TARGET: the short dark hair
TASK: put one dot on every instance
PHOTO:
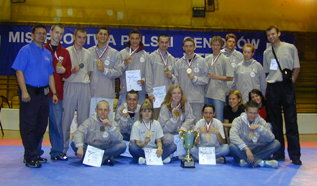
(189, 39)
(251, 104)
(132, 92)
(231, 35)
(79, 30)
(135, 31)
(208, 105)
(162, 35)
(273, 27)
(103, 28)
(37, 26)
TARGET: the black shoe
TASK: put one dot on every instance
(32, 163)
(41, 160)
(61, 157)
(297, 162)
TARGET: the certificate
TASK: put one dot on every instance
(207, 156)
(132, 77)
(151, 157)
(159, 94)
(93, 156)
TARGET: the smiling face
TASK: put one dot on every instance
(208, 114)
(102, 36)
(234, 101)
(132, 101)
(273, 36)
(39, 36)
(176, 95)
(256, 98)
(189, 47)
(146, 114)
(135, 40)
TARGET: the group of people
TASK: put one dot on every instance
(54, 82)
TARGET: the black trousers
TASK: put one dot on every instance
(281, 95)
(33, 121)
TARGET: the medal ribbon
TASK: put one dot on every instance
(208, 126)
(103, 52)
(77, 56)
(164, 61)
(190, 62)
(213, 60)
(149, 129)
(55, 53)
(132, 52)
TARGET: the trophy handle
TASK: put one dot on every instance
(180, 133)
(197, 136)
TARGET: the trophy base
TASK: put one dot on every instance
(187, 164)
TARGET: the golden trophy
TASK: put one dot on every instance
(189, 138)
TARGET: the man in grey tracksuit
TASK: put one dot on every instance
(191, 73)
(101, 132)
(106, 67)
(160, 70)
(77, 87)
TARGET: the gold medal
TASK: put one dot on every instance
(166, 69)
(99, 62)
(177, 113)
(149, 134)
(59, 64)
(251, 135)
(208, 137)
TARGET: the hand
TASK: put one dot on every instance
(250, 156)
(80, 152)
(105, 122)
(146, 140)
(191, 76)
(152, 98)
(213, 130)
(169, 74)
(141, 82)
(254, 126)
(159, 152)
(101, 67)
(55, 99)
(26, 97)
(60, 70)
(125, 115)
(212, 75)
(127, 60)
(75, 69)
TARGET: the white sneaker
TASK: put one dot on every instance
(141, 161)
(271, 163)
(167, 160)
(243, 163)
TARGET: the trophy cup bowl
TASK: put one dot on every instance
(189, 137)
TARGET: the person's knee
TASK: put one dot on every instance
(168, 139)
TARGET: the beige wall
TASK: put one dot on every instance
(291, 15)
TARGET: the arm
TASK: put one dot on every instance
(115, 134)
(169, 123)
(67, 65)
(295, 74)
(25, 97)
(234, 133)
(53, 89)
(149, 75)
(189, 118)
(159, 150)
(114, 72)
